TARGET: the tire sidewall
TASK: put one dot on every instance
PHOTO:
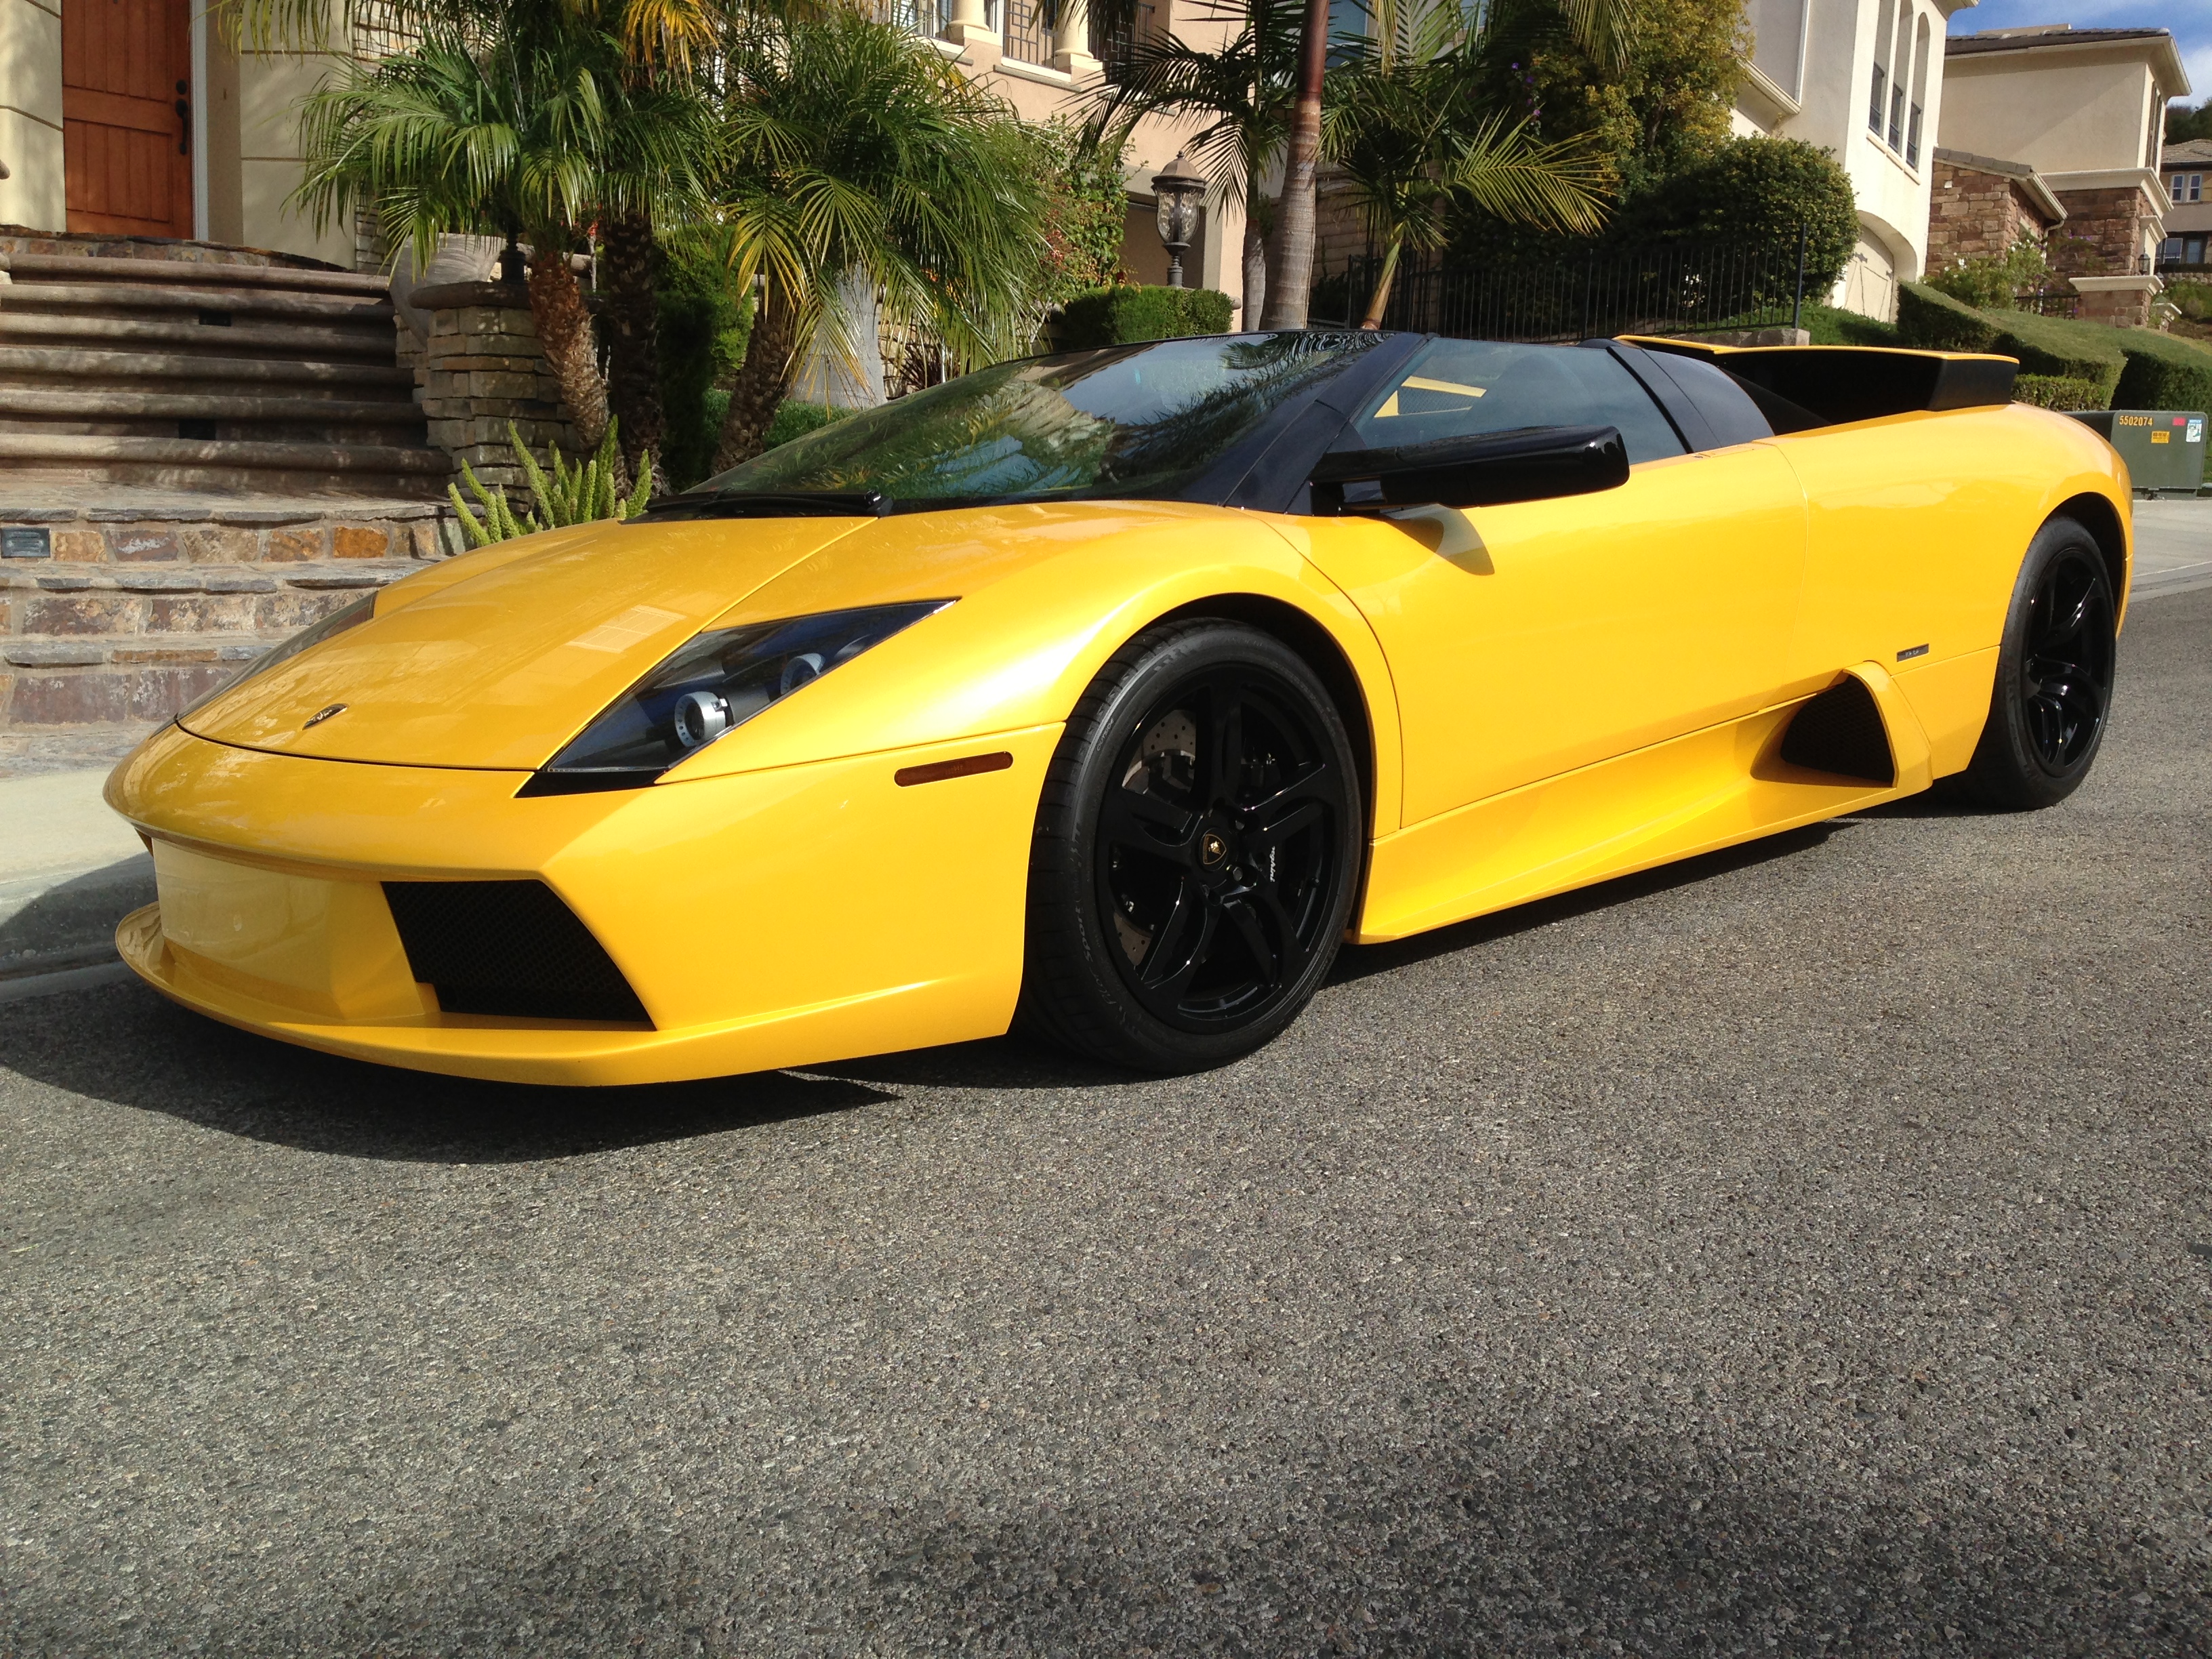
(1088, 756)
(2006, 768)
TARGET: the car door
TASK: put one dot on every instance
(1529, 639)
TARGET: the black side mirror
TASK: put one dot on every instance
(1533, 464)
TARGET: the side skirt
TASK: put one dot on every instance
(1691, 794)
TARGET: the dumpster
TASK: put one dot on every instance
(2164, 448)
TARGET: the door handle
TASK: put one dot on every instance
(184, 119)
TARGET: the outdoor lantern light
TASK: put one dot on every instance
(1179, 191)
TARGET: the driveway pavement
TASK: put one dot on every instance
(1807, 1250)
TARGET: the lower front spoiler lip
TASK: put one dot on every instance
(562, 1052)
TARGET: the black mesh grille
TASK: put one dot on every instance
(1840, 731)
(508, 947)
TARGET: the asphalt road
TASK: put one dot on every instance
(1805, 1250)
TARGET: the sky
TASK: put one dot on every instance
(2189, 19)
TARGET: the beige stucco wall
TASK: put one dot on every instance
(1039, 93)
(2058, 110)
(1833, 88)
(270, 88)
(31, 114)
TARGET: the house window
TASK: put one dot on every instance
(1923, 40)
(1878, 104)
(2188, 186)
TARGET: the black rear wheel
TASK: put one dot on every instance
(1197, 849)
(2054, 677)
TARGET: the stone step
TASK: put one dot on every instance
(69, 268)
(181, 415)
(30, 328)
(127, 299)
(23, 365)
(282, 468)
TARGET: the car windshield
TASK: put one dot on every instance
(1123, 420)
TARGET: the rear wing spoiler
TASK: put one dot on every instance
(1833, 385)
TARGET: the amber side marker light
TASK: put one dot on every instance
(937, 771)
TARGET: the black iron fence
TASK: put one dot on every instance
(1667, 288)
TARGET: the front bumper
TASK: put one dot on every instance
(797, 915)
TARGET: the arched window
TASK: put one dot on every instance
(1879, 103)
(1900, 67)
(1919, 96)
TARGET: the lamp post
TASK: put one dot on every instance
(1180, 191)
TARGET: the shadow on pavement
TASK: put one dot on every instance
(122, 1044)
(150, 1055)
(1359, 962)
(71, 917)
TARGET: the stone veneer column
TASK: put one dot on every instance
(482, 368)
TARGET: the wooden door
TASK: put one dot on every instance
(126, 116)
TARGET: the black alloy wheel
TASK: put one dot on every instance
(2066, 670)
(2054, 675)
(1197, 847)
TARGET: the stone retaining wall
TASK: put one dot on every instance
(120, 614)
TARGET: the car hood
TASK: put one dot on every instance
(493, 659)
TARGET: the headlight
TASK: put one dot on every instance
(715, 683)
(351, 615)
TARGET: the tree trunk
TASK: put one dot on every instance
(1255, 263)
(762, 380)
(564, 332)
(1291, 291)
(1376, 305)
(632, 263)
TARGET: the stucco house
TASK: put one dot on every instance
(2083, 111)
(1862, 79)
(135, 117)
(2186, 169)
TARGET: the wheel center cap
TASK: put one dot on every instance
(1211, 849)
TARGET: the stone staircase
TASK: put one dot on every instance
(201, 450)
(180, 371)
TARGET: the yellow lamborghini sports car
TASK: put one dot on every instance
(1109, 692)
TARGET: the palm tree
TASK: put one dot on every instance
(1405, 130)
(1242, 92)
(1602, 28)
(855, 160)
(531, 117)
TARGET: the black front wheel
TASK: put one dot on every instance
(1197, 848)
(2054, 678)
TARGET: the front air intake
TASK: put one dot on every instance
(508, 947)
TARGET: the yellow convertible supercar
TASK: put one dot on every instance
(1109, 692)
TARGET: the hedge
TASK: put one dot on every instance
(1832, 325)
(1934, 321)
(2056, 392)
(2051, 348)
(795, 419)
(2163, 371)
(1130, 313)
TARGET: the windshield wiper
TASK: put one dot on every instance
(772, 504)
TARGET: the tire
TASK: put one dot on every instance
(1197, 851)
(2054, 678)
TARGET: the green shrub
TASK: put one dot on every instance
(1122, 315)
(1757, 191)
(1832, 325)
(705, 319)
(2063, 347)
(794, 419)
(1996, 284)
(2163, 371)
(2056, 392)
(2047, 347)
(2193, 299)
(1933, 321)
